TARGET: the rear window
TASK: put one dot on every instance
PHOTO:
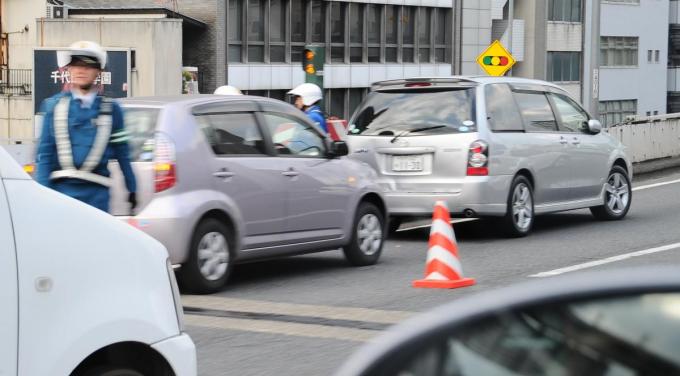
(415, 113)
(140, 122)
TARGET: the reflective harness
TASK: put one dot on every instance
(104, 124)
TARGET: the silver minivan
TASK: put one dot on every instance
(232, 179)
(504, 147)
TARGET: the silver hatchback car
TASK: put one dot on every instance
(232, 179)
(509, 148)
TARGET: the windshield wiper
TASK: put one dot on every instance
(404, 133)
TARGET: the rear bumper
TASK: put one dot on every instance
(173, 233)
(180, 353)
(485, 195)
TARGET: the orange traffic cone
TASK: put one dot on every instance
(443, 269)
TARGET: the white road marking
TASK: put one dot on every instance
(326, 312)
(655, 185)
(607, 260)
(285, 328)
(461, 220)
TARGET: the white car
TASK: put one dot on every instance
(82, 293)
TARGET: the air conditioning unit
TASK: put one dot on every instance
(56, 9)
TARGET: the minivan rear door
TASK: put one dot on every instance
(417, 139)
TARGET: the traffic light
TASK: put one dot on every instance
(313, 58)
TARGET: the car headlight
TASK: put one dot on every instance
(179, 310)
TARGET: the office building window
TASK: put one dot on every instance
(342, 102)
(235, 30)
(622, 1)
(374, 32)
(442, 32)
(356, 32)
(564, 10)
(615, 112)
(564, 66)
(619, 51)
(276, 31)
(408, 32)
(392, 33)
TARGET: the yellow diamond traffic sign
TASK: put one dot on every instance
(496, 60)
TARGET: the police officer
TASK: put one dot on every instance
(307, 98)
(81, 132)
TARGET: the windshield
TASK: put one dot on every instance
(414, 113)
(141, 123)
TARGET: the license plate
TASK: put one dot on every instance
(407, 163)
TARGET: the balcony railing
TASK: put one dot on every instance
(16, 81)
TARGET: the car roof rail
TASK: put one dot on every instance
(422, 82)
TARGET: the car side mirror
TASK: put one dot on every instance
(338, 149)
(594, 126)
(563, 325)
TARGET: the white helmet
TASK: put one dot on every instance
(228, 90)
(85, 49)
(309, 93)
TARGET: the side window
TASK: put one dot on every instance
(232, 134)
(536, 111)
(501, 109)
(292, 137)
(572, 117)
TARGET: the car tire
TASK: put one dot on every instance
(368, 236)
(210, 255)
(617, 196)
(519, 216)
(112, 371)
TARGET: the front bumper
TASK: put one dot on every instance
(173, 233)
(180, 353)
(485, 195)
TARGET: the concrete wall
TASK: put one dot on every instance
(476, 34)
(649, 141)
(287, 76)
(15, 15)
(648, 81)
(207, 50)
(157, 42)
(533, 12)
(16, 119)
(564, 36)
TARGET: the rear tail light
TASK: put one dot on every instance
(478, 159)
(165, 166)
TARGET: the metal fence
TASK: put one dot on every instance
(16, 81)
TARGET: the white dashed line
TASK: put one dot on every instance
(607, 260)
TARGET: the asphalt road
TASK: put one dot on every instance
(305, 315)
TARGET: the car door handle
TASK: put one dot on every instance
(223, 174)
(575, 141)
(563, 141)
(290, 173)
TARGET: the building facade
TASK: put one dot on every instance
(364, 42)
(633, 58)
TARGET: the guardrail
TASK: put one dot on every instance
(16, 81)
(655, 139)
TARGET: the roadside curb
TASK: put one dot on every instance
(655, 165)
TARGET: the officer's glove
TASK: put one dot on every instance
(132, 199)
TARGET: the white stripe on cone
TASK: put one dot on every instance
(444, 228)
(436, 276)
(443, 255)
